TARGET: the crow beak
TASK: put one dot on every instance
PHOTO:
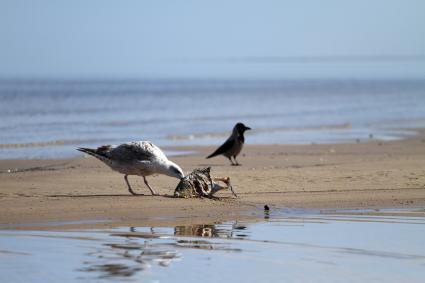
(247, 128)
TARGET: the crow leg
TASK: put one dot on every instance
(236, 162)
(230, 158)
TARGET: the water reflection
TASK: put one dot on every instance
(113, 270)
(290, 248)
(207, 231)
(212, 231)
(134, 251)
(131, 253)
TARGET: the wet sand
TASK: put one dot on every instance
(369, 174)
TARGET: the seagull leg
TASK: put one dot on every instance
(146, 183)
(129, 187)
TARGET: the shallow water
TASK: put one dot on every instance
(49, 119)
(286, 247)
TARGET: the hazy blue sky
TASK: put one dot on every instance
(240, 38)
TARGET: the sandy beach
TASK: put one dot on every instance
(369, 174)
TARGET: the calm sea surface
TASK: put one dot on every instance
(49, 119)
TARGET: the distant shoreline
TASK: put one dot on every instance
(170, 150)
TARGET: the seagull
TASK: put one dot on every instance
(233, 145)
(141, 158)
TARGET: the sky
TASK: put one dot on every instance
(212, 39)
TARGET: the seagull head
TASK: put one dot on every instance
(173, 170)
(241, 128)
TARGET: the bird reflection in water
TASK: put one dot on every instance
(136, 253)
(140, 251)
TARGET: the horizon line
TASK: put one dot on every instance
(309, 59)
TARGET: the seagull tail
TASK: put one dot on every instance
(89, 151)
(99, 153)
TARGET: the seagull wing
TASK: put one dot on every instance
(135, 151)
(226, 146)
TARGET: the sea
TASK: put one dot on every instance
(51, 118)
